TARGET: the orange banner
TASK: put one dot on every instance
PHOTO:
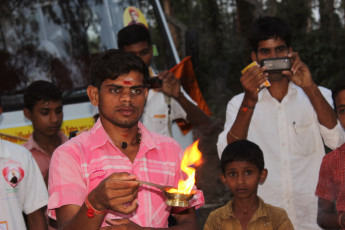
(185, 73)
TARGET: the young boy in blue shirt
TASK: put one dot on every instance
(243, 170)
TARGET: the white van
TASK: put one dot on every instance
(55, 41)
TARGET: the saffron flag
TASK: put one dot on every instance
(185, 73)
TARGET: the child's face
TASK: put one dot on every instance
(340, 103)
(243, 178)
(46, 117)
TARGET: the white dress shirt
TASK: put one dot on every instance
(292, 141)
(160, 111)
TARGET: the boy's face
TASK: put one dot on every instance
(340, 103)
(121, 101)
(243, 178)
(142, 50)
(46, 117)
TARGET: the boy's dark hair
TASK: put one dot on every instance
(133, 34)
(265, 28)
(113, 63)
(41, 90)
(335, 92)
(243, 150)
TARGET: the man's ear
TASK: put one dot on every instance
(27, 113)
(253, 56)
(263, 176)
(92, 93)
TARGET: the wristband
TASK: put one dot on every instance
(91, 211)
(245, 108)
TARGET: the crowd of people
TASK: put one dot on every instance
(273, 136)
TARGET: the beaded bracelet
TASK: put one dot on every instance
(91, 211)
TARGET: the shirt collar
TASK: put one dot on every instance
(292, 90)
(259, 213)
(32, 144)
(101, 137)
(4, 151)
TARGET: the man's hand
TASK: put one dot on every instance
(121, 224)
(171, 85)
(117, 192)
(251, 81)
(300, 73)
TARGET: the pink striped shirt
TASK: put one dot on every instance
(79, 165)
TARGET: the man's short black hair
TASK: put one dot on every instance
(41, 90)
(265, 28)
(113, 63)
(133, 34)
(340, 87)
(243, 150)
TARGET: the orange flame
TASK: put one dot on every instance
(192, 156)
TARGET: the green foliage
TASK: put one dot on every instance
(223, 52)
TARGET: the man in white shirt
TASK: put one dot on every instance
(168, 103)
(291, 120)
(22, 188)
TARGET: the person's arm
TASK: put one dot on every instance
(327, 216)
(251, 80)
(113, 193)
(301, 76)
(37, 220)
(172, 88)
(185, 220)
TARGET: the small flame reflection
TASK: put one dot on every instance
(192, 156)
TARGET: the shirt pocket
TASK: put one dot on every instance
(95, 178)
(304, 139)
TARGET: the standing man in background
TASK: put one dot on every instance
(331, 185)
(291, 120)
(167, 103)
(43, 107)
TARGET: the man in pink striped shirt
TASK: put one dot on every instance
(93, 177)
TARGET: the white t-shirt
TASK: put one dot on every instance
(22, 188)
(292, 141)
(160, 111)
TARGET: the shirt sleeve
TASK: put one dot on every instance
(326, 187)
(230, 116)
(335, 137)
(37, 195)
(66, 182)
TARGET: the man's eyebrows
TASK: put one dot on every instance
(120, 86)
(341, 106)
(281, 46)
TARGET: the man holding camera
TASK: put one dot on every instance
(291, 120)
